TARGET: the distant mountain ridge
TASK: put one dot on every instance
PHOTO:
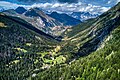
(65, 19)
(37, 18)
(83, 15)
(53, 24)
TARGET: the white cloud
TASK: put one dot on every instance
(65, 7)
(108, 3)
(8, 5)
(113, 1)
(60, 7)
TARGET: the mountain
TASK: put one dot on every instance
(53, 23)
(20, 10)
(22, 45)
(48, 21)
(83, 15)
(88, 51)
(1, 9)
(49, 24)
(65, 19)
(10, 12)
(100, 65)
(97, 37)
(21, 31)
(87, 37)
(38, 19)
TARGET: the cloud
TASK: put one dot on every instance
(93, 2)
(36, 1)
(59, 7)
(107, 3)
(68, 1)
(73, 7)
(28, 0)
(8, 5)
(97, 2)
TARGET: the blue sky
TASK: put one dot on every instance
(93, 6)
(94, 2)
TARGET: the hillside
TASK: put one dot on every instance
(101, 40)
(65, 19)
(88, 51)
(102, 64)
(23, 48)
(38, 19)
(87, 37)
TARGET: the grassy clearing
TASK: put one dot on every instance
(59, 60)
(21, 50)
(28, 44)
(2, 24)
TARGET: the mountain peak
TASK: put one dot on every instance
(54, 12)
(20, 10)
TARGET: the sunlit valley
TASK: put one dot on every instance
(59, 40)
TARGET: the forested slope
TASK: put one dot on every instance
(88, 51)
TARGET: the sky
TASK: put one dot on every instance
(92, 6)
